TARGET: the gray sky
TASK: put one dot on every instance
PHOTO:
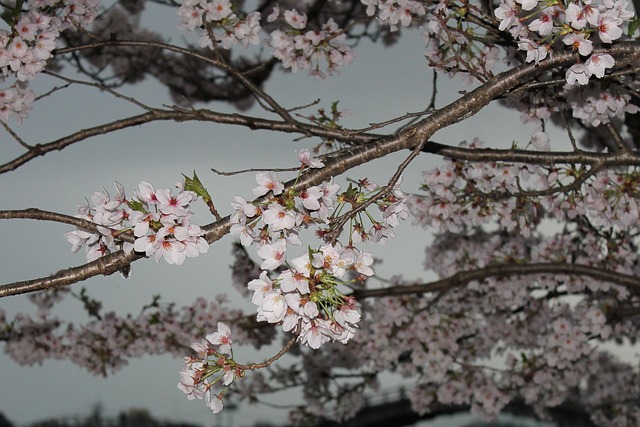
(380, 84)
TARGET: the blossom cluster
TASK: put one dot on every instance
(15, 101)
(159, 221)
(546, 345)
(300, 48)
(104, 344)
(25, 49)
(302, 293)
(597, 104)
(394, 12)
(28, 44)
(451, 41)
(212, 363)
(540, 28)
(304, 297)
(517, 196)
(26, 54)
(219, 24)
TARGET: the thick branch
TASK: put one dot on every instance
(180, 116)
(462, 278)
(407, 138)
(106, 265)
(464, 107)
(579, 157)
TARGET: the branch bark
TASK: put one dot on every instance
(406, 138)
(462, 278)
(106, 265)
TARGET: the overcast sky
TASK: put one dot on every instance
(380, 84)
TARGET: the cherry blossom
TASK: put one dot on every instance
(584, 18)
(160, 222)
(272, 254)
(597, 64)
(532, 264)
(221, 338)
(304, 155)
(267, 181)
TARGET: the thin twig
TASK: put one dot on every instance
(569, 132)
(270, 360)
(15, 136)
(616, 137)
(434, 86)
(238, 172)
(99, 86)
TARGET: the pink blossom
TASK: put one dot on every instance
(292, 280)
(145, 244)
(214, 402)
(543, 25)
(221, 338)
(267, 181)
(278, 217)
(275, 14)
(314, 334)
(146, 193)
(174, 205)
(304, 155)
(272, 254)
(329, 259)
(260, 287)
(295, 20)
(609, 28)
(311, 198)
(577, 73)
(273, 308)
(507, 14)
(578, 16)
(579, 43)
(217, 10)
(535, 52)
(598, 63)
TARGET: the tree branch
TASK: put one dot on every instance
(258, 93)
(407, 138)
(462, 278)
(181, 115)
(106, 266)
(84, 224)
(269, 361)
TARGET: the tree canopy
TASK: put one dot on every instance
(533, 270)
